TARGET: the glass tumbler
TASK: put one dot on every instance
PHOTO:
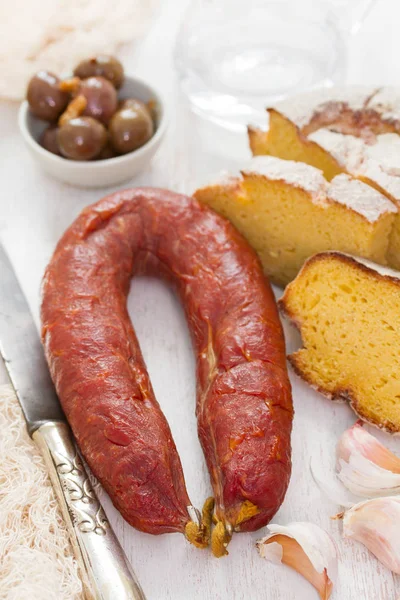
(235, 56)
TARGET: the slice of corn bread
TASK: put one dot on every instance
(347, 312)
(352, 130)
(285, 140)
(287, 211)
(361, 111)
(377, 163)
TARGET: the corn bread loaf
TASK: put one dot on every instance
(361, 111)
(352, 130)
(376, 163)
(349, 319)
(288, 212)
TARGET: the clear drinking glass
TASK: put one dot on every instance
(235, 56)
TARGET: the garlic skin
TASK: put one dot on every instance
(329, 484)
(365, 466)
(306, 548)
(376, 524)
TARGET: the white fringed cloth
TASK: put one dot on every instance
(36, 561)
(57, 34)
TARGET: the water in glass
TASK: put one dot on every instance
(235, 56)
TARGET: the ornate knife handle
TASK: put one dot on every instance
(104, 568)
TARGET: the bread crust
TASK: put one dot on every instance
(339, 394)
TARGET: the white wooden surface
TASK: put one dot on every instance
(35, 211)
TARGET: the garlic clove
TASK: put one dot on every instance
(330, 485)
(358, 439)
(365, 466)
(306, 548)
(376, 524)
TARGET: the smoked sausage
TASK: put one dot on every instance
(244, 405)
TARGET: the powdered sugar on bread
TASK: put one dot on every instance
(307, 105)
(348, 150)
(386, 101)
(345, 190)
(378, 161)
(360, 197)
(295, 173)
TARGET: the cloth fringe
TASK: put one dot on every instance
(57, 34)
(36, 560)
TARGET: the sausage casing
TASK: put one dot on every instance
(244, 406)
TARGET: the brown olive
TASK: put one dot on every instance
(82, 138)
(131, 127)
(133, 102)
(103, 65)
(49, 141)
(107, 152)
(101, 98)
(153, 110)
(129, 102)
(46, 100)
(150, 106)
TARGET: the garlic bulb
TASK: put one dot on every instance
(365, 466)
(306, 548)
(376, 524)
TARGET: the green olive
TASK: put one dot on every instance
(131, 127)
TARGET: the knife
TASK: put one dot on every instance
(104, 569)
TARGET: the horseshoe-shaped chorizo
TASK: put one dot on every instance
(244, 405)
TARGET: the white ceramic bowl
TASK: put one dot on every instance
(100, 173)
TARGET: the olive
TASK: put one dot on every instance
(101, 98)
(107, 152)
(150, 106)
(49, 141)
(45, 99)
(103, 65)
(129, 102)
(131, 127)
(82, 138)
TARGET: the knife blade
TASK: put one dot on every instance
(22, 353)
(104, 569)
